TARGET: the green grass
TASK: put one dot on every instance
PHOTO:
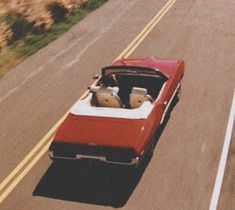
(31, 42)
(94, 4)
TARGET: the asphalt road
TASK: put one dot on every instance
(182, 172)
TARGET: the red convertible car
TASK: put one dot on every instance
(116, 120)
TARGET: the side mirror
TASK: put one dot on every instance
(96, 76)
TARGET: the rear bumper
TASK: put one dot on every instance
(133, 162)
(106, 154)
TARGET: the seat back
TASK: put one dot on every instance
(138, 96)
(107, 97)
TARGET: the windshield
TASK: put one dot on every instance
(132, 69)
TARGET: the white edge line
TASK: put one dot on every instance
(223, 158)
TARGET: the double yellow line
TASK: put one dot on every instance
(41, 148)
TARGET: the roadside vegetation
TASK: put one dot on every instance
(26, 26)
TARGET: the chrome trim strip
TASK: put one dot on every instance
(161, 91)
(51, 154)
(169, 103)
(78, 157)
(134, 161)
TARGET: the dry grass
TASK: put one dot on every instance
(6, 35)
(36, 11)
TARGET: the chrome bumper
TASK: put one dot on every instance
(134, 161)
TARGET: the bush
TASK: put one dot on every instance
(19, 25)
(58, 11)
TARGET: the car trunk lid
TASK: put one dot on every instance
(101, 131)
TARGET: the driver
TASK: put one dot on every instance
(109, 81)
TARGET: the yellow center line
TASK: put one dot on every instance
(157, 18)
(146, 30)
(42, 147)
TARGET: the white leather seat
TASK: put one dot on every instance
(107, 97)
(138, 96)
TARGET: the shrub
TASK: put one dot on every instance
(19, 25)
(58, 11)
